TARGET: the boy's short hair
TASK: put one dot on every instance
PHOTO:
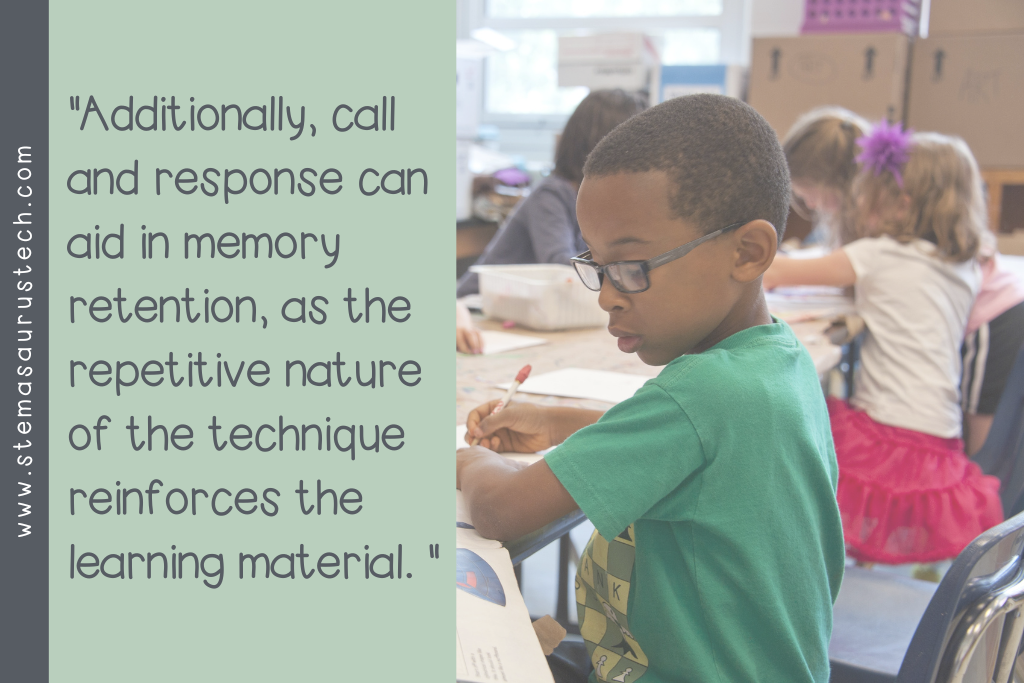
(724, 160)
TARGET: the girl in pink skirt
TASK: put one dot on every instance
(907, 492)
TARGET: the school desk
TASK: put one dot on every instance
(476, 377)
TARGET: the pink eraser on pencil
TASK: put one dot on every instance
(509, 324)
(523, 374)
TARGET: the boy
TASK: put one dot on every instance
(718, 551)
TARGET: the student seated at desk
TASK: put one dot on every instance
(907, 491)
(718, 551)
(821, 148)
(543, 228)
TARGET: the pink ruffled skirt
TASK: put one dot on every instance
(905, 496)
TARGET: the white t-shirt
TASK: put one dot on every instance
(916, 308)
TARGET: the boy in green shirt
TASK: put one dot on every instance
(718, 551)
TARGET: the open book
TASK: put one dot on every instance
(494, 638)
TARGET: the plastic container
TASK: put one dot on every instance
(539, 296)
(861, 16)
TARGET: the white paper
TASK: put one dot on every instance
(808, 253)
(600, 385)
(501, 342)
(828, 301)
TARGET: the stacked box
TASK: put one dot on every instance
(866, 73)
(972, 85)
(976, 16)
(968, 80)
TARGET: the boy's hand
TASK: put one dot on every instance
(518, 428)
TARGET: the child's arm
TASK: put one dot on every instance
(467, 337)
(834, 270)
(525, 427)
(506, 500)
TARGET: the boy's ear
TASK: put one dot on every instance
(756, 243)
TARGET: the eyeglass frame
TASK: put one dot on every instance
(648, 265)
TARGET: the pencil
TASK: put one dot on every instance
(507, 398)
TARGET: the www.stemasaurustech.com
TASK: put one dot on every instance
(23, 328)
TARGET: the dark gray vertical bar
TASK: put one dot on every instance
(24, 341)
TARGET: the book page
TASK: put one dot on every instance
(494, 638)
(600, 385)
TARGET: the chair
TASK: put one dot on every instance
(891, 628)
(968, 629)
(1003, 453)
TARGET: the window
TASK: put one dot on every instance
(524, 80)
(521, 87)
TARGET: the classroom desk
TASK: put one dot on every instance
(476, 376)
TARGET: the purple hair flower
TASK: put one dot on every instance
(887, 148)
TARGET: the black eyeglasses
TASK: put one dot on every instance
(630, 277)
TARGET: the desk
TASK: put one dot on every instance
(476, 376)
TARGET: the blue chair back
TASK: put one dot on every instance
(975, 621)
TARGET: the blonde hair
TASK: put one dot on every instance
(941, 201)
(821, 150)
(821, 146)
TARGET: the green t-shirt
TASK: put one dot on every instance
(719, 550)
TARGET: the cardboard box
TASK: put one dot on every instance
(976, 16)
(606, 60)
(972, 86)
(864, 72)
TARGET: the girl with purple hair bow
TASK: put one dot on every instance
(886, 149)
(907, 492)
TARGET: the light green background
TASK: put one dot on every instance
(316, 54)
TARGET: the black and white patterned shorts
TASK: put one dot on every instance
(988, 354)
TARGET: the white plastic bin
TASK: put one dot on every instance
(540, 296)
